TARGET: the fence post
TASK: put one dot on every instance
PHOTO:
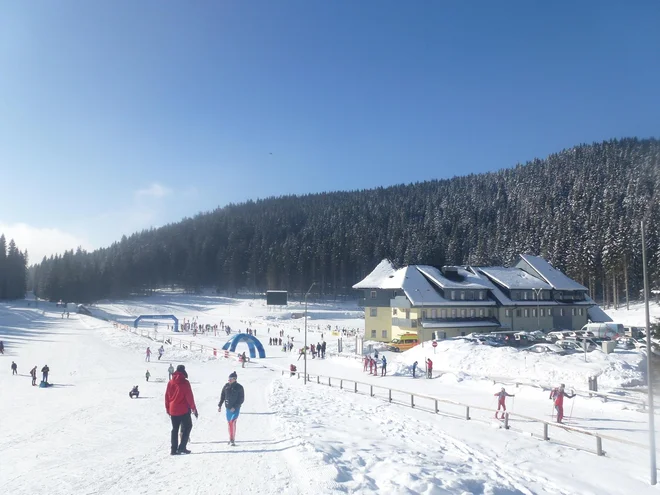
(356, 387)
(545, 432)
(390, 395)
(599, 446)
(412, 400)
(467, 413)
(318, 379)
(506, 420)
(329, 382)
(436, 406)
(341, 384)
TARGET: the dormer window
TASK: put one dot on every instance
(373, 294)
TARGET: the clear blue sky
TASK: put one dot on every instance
(115, 116)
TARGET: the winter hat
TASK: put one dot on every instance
(181, 368)
(233, 375)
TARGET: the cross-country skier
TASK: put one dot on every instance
(383, 366)
(414, 368)
(501, 401)
(179, 403)
(366, 362)
(429, 368)
(148, 355)
(170, 370)
(14, 368)
(232, 397)
(558, 395)
(161, 351)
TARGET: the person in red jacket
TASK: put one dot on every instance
(179, 403)
(558, 395)
(429, 368)
(501, 401)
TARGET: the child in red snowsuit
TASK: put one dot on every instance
(558, 395)
(366, 362)
(501, 402)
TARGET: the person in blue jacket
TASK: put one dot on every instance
(383, 366)
(232, 397)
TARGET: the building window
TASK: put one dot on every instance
(373, 311)
(462, 334)
(384, 334)
(549, 311)
(441, 335)
(572, 311)
(423, 314)
(518, 313)
(515, 295)
(373, 294)
(463, 313)
(527, 313)
(453, 313)
(394, 311)
(559, 296)
(462, 295)
(434, 313)
(507, 313)
(490, 313)
(561, 312)
(407, 314)
(443, 313)
(482, 294)
(534, 313)
(473, 313)
(413, 323)
(542, 312)
(481, 312)
(525, 295)
(470, 295)
(581, 313)
(453, 295)
(373, 333)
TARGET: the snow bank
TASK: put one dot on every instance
(619, 369)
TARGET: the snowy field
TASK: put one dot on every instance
(85, 436)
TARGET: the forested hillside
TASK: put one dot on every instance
(13, 270)
(580, 209)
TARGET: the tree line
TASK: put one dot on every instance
(13, 270)
(579, 208)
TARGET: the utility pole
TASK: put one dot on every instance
(305, 348)
(649, 354)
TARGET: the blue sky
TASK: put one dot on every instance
(116, 116)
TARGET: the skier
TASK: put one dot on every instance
(323, 348)
(366, 362)
(33, 374)
(148, 356)
(243, 359)
(179, 403)
(429, 368)
(134, 392)
(313, 349)
(14, 368)
(558, 395)
(501, 401)
(170, 370)
(147, 375)
(2, 347)
(232, 397)
(414, 368)
(383, 366)
(44, 374)
(376, 354)
(161, 351)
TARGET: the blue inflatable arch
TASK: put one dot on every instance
(252, 343)
(157, 317)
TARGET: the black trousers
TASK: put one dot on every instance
(185, 422)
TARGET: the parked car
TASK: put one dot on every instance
(546, 348)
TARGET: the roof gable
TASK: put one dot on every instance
(547, 272)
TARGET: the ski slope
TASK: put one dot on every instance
(85, 436)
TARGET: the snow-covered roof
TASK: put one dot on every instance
(459, 324)
(514, 278)
(469, 280)
(597, 315)
(377, 277)
(418, 290)
(550, 274)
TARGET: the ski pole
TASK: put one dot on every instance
(572, 404)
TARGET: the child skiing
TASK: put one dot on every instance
(501, 401)
(232, 397)
(558, 395)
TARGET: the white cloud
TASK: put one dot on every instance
(40, 242)
(155, 190)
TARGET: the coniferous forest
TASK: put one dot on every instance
(580, 209)
(13, 271)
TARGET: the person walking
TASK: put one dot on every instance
(501, 402)
(148, 355)
(323, 345)
(14, 368)
(147, 375)
(414, 368)
(179, 403)
(33, 374)
(44, 374)
(429, 368)
(232, 397)
(558, 395)
(366, 362)
(161, 351)
(170, 371)
(383, 366)
(2, 347)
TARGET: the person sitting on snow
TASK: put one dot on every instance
(134, 392)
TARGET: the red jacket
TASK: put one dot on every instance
(179, 398)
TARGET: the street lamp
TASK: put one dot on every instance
(305, 348)
(538, 309)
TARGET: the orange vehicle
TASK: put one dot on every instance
(403, 343)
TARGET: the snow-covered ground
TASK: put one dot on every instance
(84, 435)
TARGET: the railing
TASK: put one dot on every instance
(432, 404)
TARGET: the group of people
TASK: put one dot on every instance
(371, 363)
(180, 405)
(33, 373)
